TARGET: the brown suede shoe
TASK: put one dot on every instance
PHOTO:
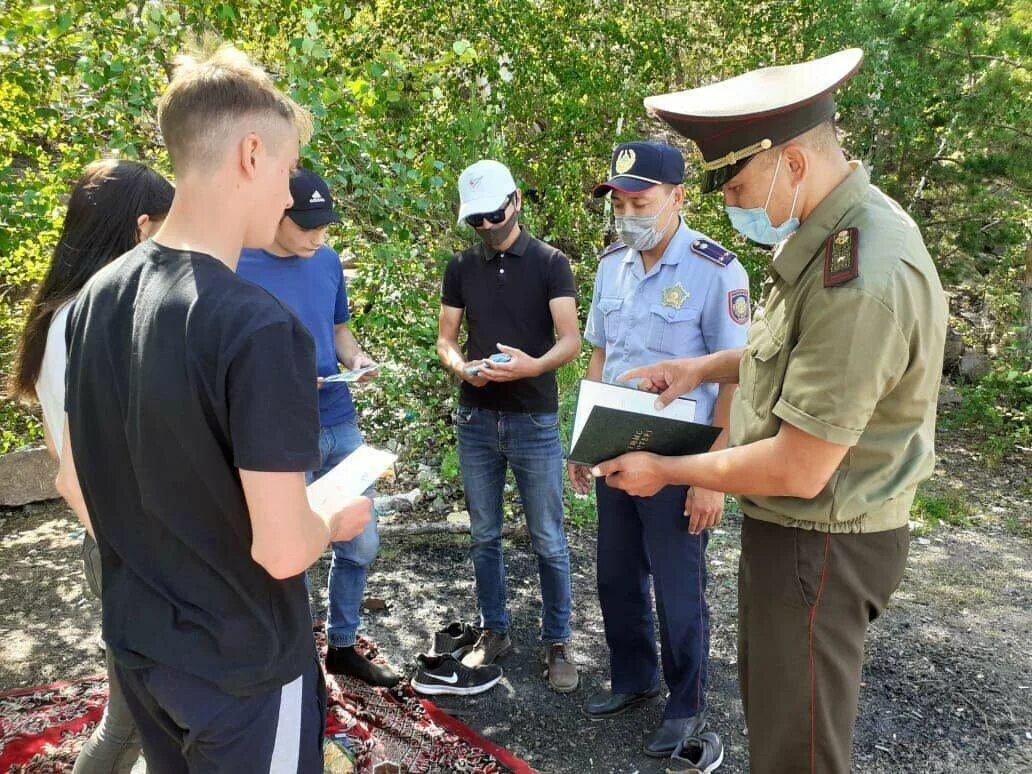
(559, 669)
(490, 647)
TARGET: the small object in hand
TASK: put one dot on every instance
(350, 376)
(498, 357)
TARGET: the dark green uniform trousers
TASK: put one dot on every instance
(805, 599)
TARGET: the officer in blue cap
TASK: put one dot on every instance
(662, 291)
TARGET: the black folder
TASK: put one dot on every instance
(612, 430)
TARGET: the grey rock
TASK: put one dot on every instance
(399, 502)
(974, 365)
(954, 350)
(384, 504)
(949, 397)
(27, 476)
(427, 477)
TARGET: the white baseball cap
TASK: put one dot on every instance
(483, 187)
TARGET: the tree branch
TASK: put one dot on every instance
(962, 55)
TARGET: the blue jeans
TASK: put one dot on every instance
(529, 444)
(351, 558)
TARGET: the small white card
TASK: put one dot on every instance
(355, 474)
(351, 376)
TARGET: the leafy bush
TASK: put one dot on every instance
(406, 94)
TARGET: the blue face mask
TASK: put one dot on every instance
(754, 223)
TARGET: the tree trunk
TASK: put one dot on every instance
(1026, 295)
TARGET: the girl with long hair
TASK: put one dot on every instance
(113, 206)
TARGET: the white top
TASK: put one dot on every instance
(760, 91)
(50, 386)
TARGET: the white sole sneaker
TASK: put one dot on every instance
(437, 689)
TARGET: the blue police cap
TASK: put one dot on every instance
(640, 165)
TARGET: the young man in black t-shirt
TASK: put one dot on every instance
(515, 293)
(191, 418)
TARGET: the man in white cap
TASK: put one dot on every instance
(833, 426)
(516, 294)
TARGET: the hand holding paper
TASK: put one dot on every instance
(350, 521)
(339, 492)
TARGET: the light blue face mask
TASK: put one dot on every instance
(754, 223)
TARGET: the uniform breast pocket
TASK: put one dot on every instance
(761, 374)
(610, 309)
(672, 330)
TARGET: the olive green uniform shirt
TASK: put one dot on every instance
(853, 360)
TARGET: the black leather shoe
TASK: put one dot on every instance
(608, 705)
(664, 740)
(346, 661)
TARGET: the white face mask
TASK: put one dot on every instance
(642, 232)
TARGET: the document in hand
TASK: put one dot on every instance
(611, 419)
(355, 474)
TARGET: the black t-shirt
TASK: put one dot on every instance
(179, 373)
(505, 297)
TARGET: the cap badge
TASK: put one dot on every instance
(675, 296)
(624, 161)
(316, 198)
(474, 182)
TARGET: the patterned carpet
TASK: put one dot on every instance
(42, 729)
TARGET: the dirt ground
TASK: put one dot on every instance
(947, 683)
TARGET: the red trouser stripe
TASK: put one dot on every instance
(813, 668)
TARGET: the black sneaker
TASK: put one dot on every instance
(347, 661)
(700, 754)
(439, 675)
(455, 639)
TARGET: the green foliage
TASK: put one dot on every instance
(405, 94)
(449, 469)
(998, 408)
(931, 510)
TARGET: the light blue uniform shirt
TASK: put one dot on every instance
(694, 301)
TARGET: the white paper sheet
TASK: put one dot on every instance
(594, 393)
(355, 474)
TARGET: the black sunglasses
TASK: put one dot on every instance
(495, 217)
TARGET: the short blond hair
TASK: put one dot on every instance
(212, 87)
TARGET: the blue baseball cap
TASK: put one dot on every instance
(639, 165)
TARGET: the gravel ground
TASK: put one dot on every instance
(947, 684)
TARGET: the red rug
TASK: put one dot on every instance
(42, 729)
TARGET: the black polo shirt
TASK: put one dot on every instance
(505, 297)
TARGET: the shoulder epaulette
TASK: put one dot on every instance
(841, 257)
(613, 248)
(711, 251)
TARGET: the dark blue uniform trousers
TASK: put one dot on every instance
(638, 536)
